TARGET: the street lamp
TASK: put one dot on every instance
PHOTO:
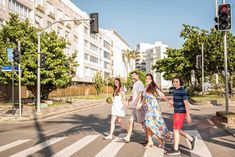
(94, 28)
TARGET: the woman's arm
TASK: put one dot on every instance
(162, 95)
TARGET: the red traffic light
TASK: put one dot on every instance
(224, 9)
(224, 17)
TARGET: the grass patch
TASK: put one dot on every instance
(210, 97)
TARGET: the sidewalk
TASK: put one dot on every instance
(29, 112)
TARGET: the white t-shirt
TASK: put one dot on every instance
(137, 88)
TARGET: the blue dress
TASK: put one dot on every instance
(154, 119)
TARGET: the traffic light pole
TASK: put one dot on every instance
(226, 70)
(20, 106)
(39, 59)
(13, 87)
(203, 83)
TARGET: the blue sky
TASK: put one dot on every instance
(153, 20)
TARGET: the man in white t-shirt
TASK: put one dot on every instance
(136, 115)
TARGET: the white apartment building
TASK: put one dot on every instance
(153, 54)
(140, 63)
(119, 44)
(94, 51)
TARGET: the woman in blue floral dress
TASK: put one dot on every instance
(155, 124)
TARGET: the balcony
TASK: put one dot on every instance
(51, 15)
(68, 25)
(40, 8)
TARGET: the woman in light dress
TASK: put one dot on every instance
(118, 108)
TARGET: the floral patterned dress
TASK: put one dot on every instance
(154, 119)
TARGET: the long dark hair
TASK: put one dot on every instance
(116, 90)
(152, 87)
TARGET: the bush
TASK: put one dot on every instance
(109, 100)
(194, 90)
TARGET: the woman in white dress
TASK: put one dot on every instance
(118, 108)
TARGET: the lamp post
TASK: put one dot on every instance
(94, 29)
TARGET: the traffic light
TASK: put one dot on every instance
(216, 23)
(16, 55)
(43, 60)
(224, 17)
(199, 61)
(94, 23)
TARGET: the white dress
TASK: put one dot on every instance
(118, 108)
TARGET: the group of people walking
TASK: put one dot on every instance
(145, 109)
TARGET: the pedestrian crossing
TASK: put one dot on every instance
(112, 148)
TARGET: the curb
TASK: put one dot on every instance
(42, 116)
(224, 126)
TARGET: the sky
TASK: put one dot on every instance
(147, 21)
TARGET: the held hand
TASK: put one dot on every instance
(189, 119)
(171, 102)
(138, 106)
(127, 103)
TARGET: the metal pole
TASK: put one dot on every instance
(39, 58)
(13, 87)
(203, 69)
(38, 76)
(216, 14)
(225, 72)
(19, 81)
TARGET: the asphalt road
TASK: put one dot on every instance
(80, 135)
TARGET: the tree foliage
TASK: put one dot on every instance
(60, 68)
(98, 82)
(181, 62)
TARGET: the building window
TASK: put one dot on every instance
(106, 44)
(40, 2)
(94, 36)
(67, 36)
(39, 20)
(60, 31)
(94, 59)
(60, 15)
(87, 71)
(50, 11)
(75, 39)
(23, 11)
(106, 55)
(93, 72)
(2, 2)
(85, 30)
(86, 43)
(86, 56)
(107, 65)
(94, 48)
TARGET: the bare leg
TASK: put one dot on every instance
(149, 136)
(145, 131)
(186, 135)
(123, 124)
(131, 126)
(112, 127)
(176, 139)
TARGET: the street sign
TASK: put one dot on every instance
(10, 54)
(8, 68)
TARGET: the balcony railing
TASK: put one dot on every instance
(51, 15)
(40, 8)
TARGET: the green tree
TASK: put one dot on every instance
(60, 68)
(180, 62)
(98, 82)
